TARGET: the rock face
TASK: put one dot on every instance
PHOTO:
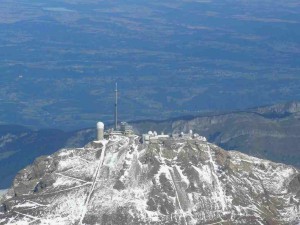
(174, 181)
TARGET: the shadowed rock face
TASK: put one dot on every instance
(175, 181)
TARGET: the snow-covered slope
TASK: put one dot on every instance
(175, 181)
(2, 192)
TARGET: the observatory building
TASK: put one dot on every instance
(153, 137)
(126, 129)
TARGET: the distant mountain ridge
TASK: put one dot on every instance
(270, 132)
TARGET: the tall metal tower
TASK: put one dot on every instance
(116, 107)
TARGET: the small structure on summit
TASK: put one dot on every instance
(100, 131)
(116, 107)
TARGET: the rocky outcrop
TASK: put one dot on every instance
(279, 110)
(174, 181)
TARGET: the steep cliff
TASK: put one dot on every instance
(173, 181)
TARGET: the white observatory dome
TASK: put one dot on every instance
(100, 125)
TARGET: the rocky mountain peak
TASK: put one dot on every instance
(179, 180)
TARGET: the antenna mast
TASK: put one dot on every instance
(116, 107)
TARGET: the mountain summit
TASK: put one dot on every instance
(177, 180)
